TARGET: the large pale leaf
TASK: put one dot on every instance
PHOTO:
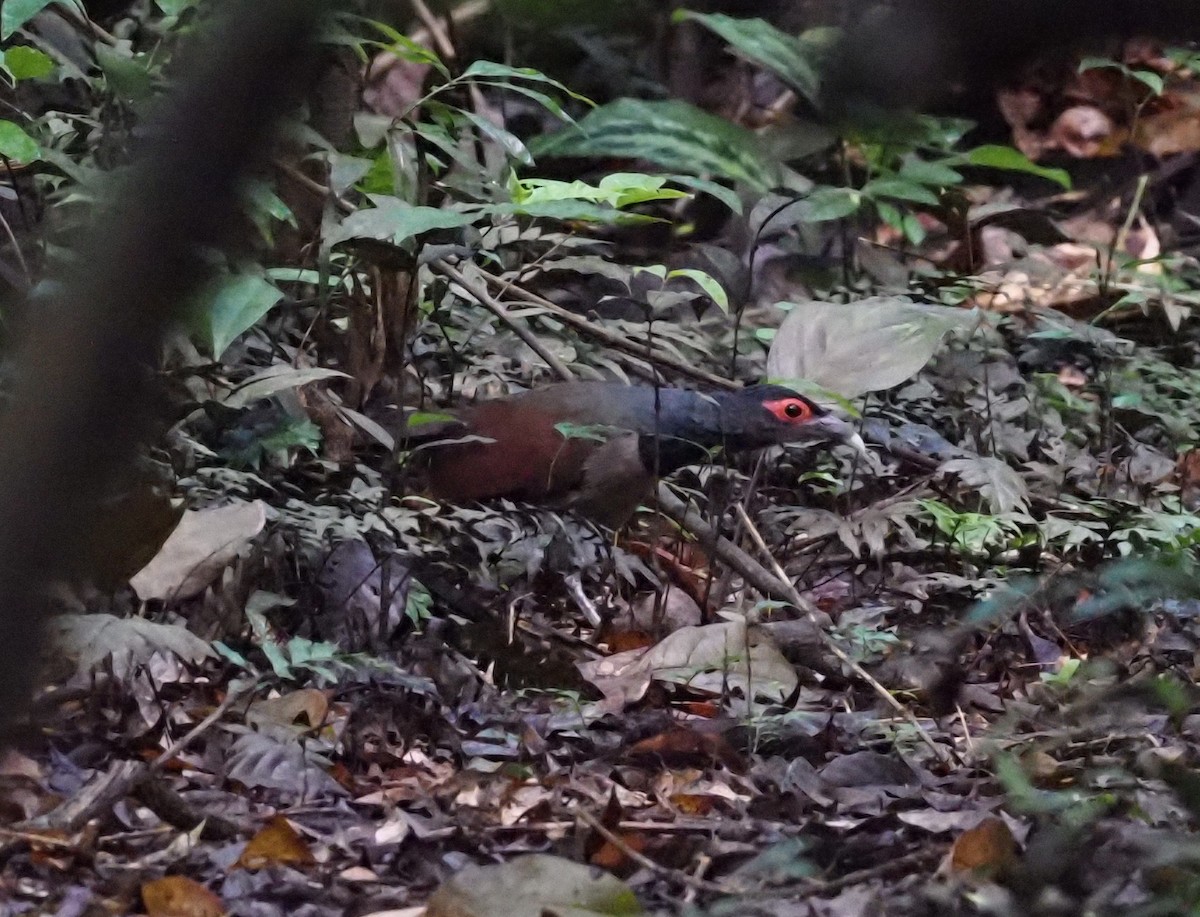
(531, 886)
(275, 379)
(715, 657)
(671, 134)
(202, 545)
(865, 346)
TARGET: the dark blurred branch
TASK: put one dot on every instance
(85, 398)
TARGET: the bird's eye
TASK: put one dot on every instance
(788, 410)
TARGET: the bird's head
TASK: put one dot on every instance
(763, 415)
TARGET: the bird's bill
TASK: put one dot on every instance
(834, 429)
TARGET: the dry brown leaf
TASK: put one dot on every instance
(179, 896)
(278, 842)
(202, 545)
(714, 658)
(989, 849)
(299, 711)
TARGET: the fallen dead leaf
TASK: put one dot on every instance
(202, 545)
(532, 886)
(987, 850)
(278, 842)
(716, 658)
(179, 896)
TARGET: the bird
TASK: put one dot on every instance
(598, 447)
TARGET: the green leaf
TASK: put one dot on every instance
(671, 134)
(237, 302)
(707, 283)
(16, 144)
(26, 63)
(726, 196)
(128, 76)
(618, 189)
(570, 210)
(595, 432)
(913, 230)
(395, 221)
(509, 142)
(491, 70)
(174, 7)
(762, 43)
(1153, 81)
(15, 13)
(995, 156)
(898, 189)
(929, 173)
(828, 204)
(274, 379)
(1100, 63)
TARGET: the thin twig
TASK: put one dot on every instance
(666, 872)
(915, 860)
(941, 753)
(612, 339)
(485, 299)
(203, 726)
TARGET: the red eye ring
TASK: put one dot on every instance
(790, 410)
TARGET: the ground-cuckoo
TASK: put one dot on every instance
(597, 447)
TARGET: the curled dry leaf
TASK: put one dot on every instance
(277, 843)
(858, 347)
(715, 658)
(530, 887)
(202, 545)
(179, 896)
(987, 850)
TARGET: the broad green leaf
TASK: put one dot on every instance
(547, 102)
(726, 196)
(707, 283)
(671, 134)
(16, 144)
(995, 156)
(827, 204)
(509, 142)
(618, 189)
(26, 63)
(762, 43)
(928, 173)
(395, 221)
(570, 210)
(1148, 78)
(15, 13)
(128, 76)
(865, 346)
(913, 230)
(174, 7)
(234, 306)
(898, 189)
